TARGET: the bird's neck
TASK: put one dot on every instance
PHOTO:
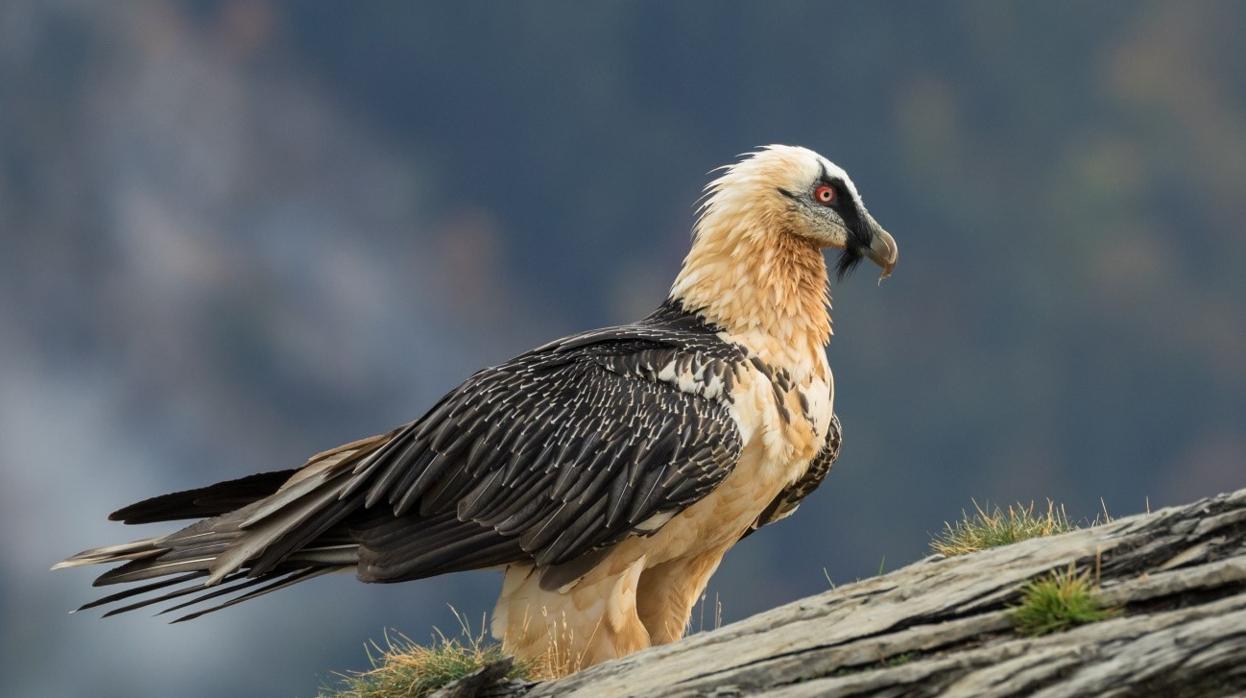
(766, 289)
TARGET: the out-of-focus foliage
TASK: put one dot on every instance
(235, 233)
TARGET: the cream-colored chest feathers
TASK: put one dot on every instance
(783, 416)
(783, 421)
(785, 399)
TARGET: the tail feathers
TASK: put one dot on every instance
(190, 584)
(260, 534)
(204, 502)
(291, 515)
(138, 550)
(219, 547)
(182, 571)
(135, 591)
(278, 582)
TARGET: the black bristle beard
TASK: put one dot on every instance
(848, 260)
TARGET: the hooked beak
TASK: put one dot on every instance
(883, 250)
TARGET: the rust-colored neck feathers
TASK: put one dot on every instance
(749, 275)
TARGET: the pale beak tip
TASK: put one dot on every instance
(884, 253)
(886, 274)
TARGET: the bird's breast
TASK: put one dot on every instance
(788, 420)
(784, 397)
(783, 415)
(783, 425)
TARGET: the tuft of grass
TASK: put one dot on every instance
(1058, 602)
(995, 527)
(402, 668)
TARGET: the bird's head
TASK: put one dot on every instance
(756, 266)
(795, 191)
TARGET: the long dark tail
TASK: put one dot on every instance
(255, 535)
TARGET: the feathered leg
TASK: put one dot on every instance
(669, 591)
(563, 631)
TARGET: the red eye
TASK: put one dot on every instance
(824, 194)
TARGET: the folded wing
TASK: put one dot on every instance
(556, 454)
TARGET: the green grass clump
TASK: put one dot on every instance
(403, 668)
(1058, 602)
(995, 527)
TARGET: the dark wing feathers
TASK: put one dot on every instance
(566, 451)
(546, 459)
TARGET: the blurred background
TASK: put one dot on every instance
(236, 233)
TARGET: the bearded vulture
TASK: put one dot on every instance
(606, 473)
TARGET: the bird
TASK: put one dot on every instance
(606, 474)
